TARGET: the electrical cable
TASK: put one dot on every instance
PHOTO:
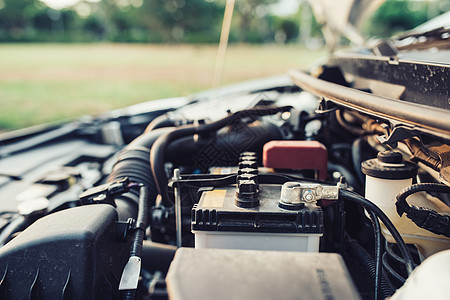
(368, 205)
(387, 282)
(423, 217)
(378, 266)
(141, 221)
(391, 271)
(392, 254)
(367, 262)
(158, 151)
(139, 233)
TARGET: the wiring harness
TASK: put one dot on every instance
(423, 217)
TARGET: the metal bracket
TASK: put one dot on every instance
(122, 228)
(443, 152)
(399, 133)
(324, 108)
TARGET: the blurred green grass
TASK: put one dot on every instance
(49, 82)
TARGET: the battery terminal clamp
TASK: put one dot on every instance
(295, 195)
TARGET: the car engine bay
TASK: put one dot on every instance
(332, 184)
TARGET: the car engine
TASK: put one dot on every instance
(332, 184)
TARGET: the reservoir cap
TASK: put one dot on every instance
(389, 165)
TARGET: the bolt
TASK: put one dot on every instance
(176, 174)
(309, 196)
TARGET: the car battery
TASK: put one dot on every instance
(221, 220)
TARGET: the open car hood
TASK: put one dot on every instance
(343, 18)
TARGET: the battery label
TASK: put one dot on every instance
(214, 199)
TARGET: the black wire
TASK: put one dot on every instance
(386, 278)
(402, 204)
(141, 222)
(269, 178)
(139, 233)
(425, 218)
(382, 283)
(378, 265)
(385, 288)
(158, 151)
(368, 205)
(391, 271)
(392, 254)
(196, 181)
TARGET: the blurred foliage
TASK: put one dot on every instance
(396, 16)
(155, 21)
(186, 21)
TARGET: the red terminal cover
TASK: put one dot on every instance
(296, 155)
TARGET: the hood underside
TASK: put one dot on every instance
(343, 18)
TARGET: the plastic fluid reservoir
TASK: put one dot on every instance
(386, 176)
(428, 281)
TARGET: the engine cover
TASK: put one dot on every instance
(71, 254)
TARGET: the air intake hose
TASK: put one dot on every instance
(134, 162)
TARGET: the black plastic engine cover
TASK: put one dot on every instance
(71, 254)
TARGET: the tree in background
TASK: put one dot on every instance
(187, 21)
(17, 19)
(251, 22)
(157, 21)
(400, 15)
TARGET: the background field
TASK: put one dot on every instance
(47, 82)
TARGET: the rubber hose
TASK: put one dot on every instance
(358, 131)
(158, 151)
(368, 205)
(159, 122)
(368, 263)
(356, 159)
(134, 162)
(157, 257)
